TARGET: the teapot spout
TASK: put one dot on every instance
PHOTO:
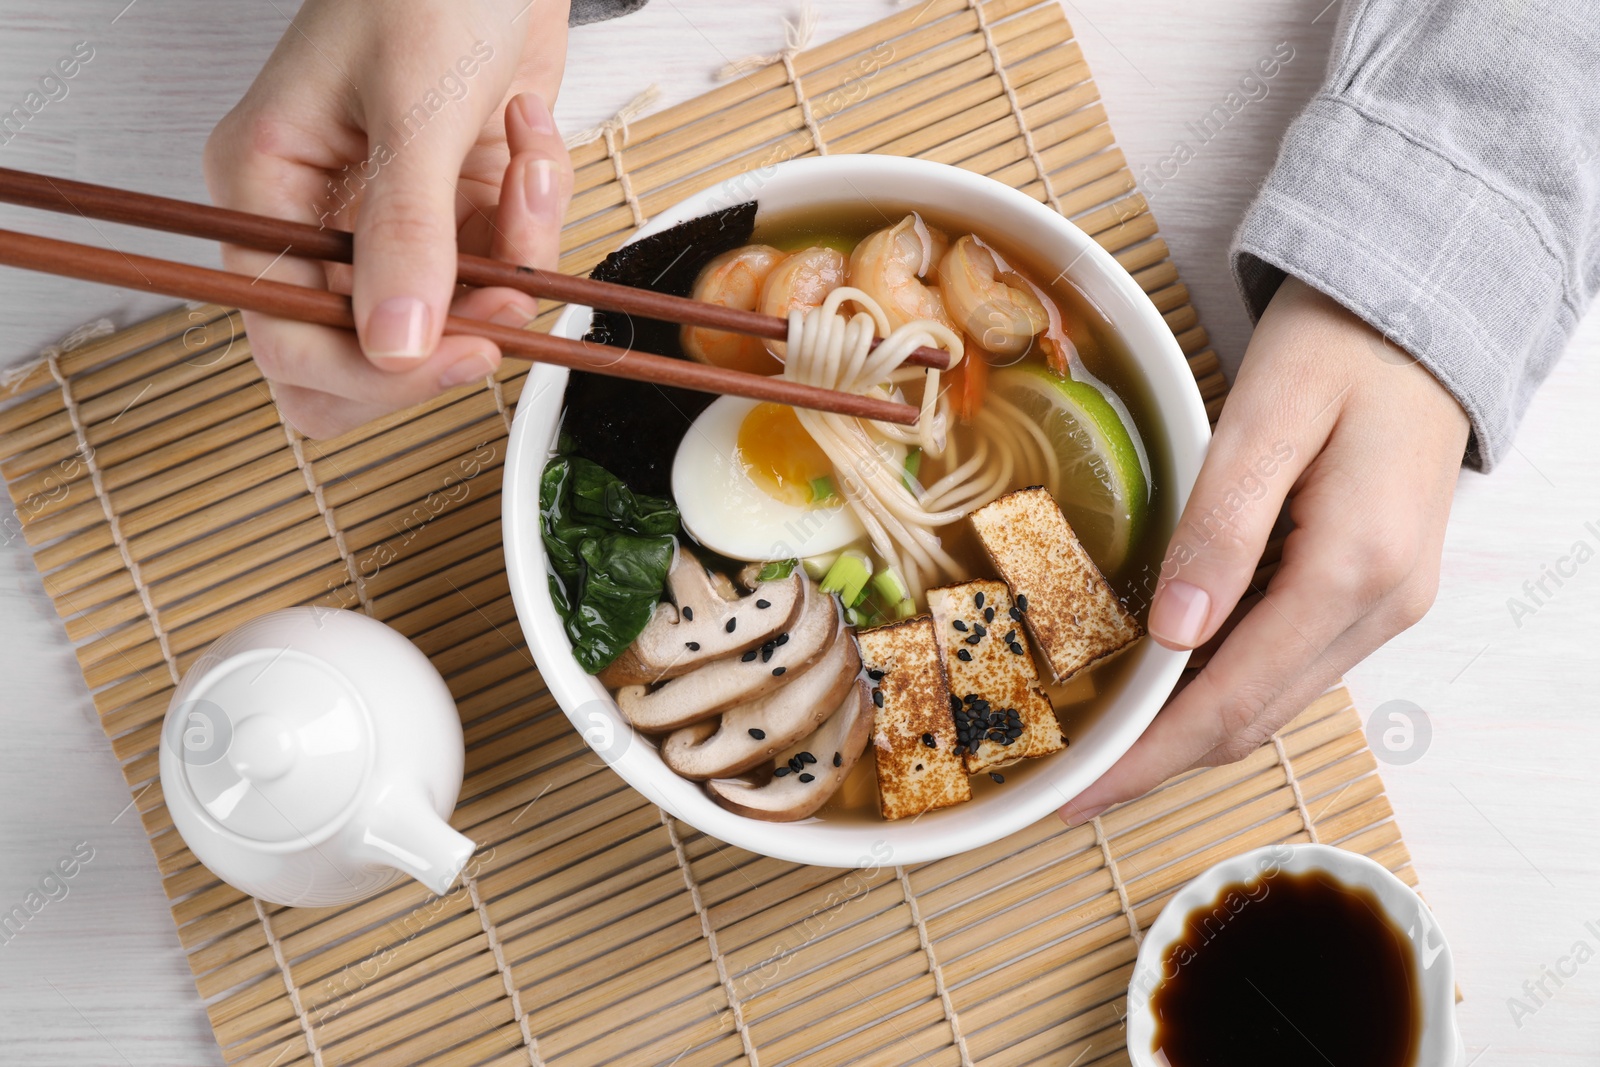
(405, 832)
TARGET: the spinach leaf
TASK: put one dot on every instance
(609, 550)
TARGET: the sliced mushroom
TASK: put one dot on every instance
(835, 746)
(752, 733)
(706, 619)
(722, 683)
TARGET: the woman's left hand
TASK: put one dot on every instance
(1367, 446)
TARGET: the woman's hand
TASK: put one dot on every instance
(1368, 444)
(423, 126)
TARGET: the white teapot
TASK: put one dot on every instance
(311, 756)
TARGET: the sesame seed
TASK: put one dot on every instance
(808, 778)
(980, 629)
(748, 656)
(763, 604)
(781, 640)
(780, 772)
(875, 675)
(778, 671)
(971, 698)
(978, 600)
(688, 614)
(960, 750)
(766, 652)
(960, 625)
(928, 740)
(877, 697)
(1011, 635)
(806, 757)
(919, 766)
(796, 765)
(1015, 614)
(974, 639)
(955, 704)
(988, 615)
(731, 624)
(759, 735)
(1022, 602)
(838, 759)
(1016, 648)
(963, 655)
(693, 646)
(998, 777)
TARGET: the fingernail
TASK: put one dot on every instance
(511, 314)
(1178, 617)
(536, 113)
(398, 327)
(539, 186)
(471, 368)
(1076, 816)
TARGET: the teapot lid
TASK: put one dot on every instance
(274, 744)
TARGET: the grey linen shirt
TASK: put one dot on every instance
(586, 11)
(1444, 185)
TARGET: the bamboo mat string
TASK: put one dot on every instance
(497, 391)
(52, 358)
(797, 38)
(1294, 786)
(1016, 104)
(314, 485)
(710, 935)
(1116, 880)
(288, 983)
(82, 335)
(934, 968)
(529, 1042)
(608, 131)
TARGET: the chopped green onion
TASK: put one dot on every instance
(913, 465)
(906, 609)
(890, 586)
(777, 570)
(817, 566)
(822, 489)
(848, 576)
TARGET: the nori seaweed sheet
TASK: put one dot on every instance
(632, 429)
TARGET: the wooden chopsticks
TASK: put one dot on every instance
(309, 242)
(333, 309)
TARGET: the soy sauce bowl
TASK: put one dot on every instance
(1030, 793)
(1440, 1044)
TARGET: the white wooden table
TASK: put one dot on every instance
(1499, 812)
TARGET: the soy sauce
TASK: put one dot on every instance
(1289, 969)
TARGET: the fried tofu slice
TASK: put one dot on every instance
(1075, 618)
(913, 732)
(1002, 715)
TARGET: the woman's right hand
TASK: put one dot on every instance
(424, 127)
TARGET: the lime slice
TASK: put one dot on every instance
(1102, 489)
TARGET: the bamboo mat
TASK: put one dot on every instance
(166, 503)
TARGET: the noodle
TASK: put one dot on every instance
(827, 348)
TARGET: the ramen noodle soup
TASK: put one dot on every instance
(820, 616)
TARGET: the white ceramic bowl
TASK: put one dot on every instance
(1011, 219)
(1441, 1037)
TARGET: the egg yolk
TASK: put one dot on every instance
(780, 456)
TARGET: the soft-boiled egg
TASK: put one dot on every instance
(746, 481)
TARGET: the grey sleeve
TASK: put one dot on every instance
(1444, 185)
(587, 11)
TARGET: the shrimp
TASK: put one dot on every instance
(890, 265)
(1001, 315)
(800, 283)
(734, 279)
